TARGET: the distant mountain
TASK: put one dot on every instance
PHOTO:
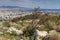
(25, 9)
(16, 8)
(50, 9)
(9, 7)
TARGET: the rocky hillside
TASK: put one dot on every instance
(31, 27)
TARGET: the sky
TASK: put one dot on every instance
(44, 4)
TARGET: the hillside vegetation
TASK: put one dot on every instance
(23, 28)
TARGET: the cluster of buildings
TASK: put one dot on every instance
(8, 15)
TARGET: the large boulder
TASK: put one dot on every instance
(40, 34)
(56, 27)
(54, 35)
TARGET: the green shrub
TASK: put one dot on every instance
(6, 24)
(29, 31)
(48, 26)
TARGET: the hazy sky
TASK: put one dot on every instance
(50, 4)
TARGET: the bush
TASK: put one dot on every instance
(29, 31)
(6, 24)
(48, 26)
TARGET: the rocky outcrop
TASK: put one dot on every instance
(53, 35)
(17, 32)
(12, 30)
(38, 35)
